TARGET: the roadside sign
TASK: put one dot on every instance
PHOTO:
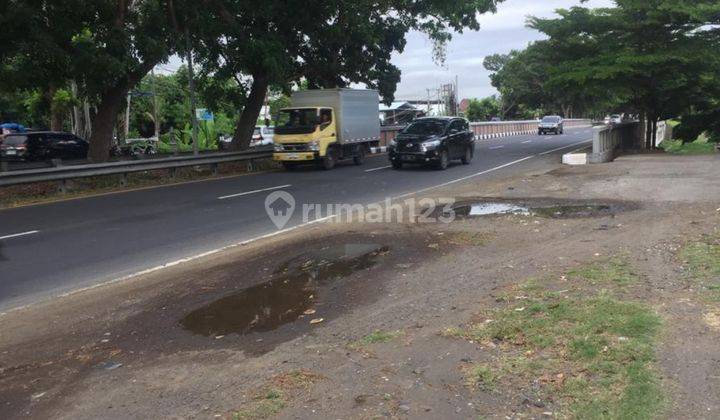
(203, 114)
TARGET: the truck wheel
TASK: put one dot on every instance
(444, 160)
(468, 156)
(328, 162)
(359, 158)
(396, 164)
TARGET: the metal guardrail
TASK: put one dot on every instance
(64, 173)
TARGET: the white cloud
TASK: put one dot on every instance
(499, 33)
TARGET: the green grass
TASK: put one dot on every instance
(480, 376)
(615, 270)
(604, 348)
(376, 337)
(699, 146)
(262, 407)
(702, 259)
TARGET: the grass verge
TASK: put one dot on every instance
(702, 260)
(698, 147)
(589, 354)
(375, 337)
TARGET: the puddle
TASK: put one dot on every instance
(292, 291)
(480, 209)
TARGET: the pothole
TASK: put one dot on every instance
(540, 208)
(287, 297)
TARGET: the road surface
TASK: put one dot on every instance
(54, 248)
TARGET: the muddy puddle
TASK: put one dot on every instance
(548, 210)
(291, 294)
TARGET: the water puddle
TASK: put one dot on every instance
(284, 299)
(567, 211)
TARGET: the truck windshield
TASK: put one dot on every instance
(296, 121)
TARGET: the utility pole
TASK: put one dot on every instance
(127, 117)
(191, 76)
(155, 105)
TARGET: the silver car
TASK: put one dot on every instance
(551, 124)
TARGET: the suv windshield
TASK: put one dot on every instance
(14, 140)
(426, 127)
(296, 121)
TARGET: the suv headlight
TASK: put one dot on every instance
(279, 147)
(314, 146)
(430, 145)
(393, 143)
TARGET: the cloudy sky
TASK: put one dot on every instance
(499, 33)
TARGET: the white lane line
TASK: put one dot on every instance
(564, 147)
(225, 197)
(527, 141)
(495, 147)
(378, 169)
(455, 181)
(17, 235)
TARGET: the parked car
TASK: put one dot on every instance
(43, 145)
(433, 140)
(551, 124)
(263, 136)
(616, 119)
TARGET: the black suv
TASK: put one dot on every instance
(43, 145)
(434, 140)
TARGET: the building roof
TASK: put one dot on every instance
(396, 106)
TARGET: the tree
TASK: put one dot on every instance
(327, 43)
(651, 55)
(483, 109)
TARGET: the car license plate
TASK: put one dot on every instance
(11, 152)
(408, 158)
(292, 156)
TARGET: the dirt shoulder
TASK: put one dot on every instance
(454, 320)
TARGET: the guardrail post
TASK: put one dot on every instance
(62, 186)
(214, 169)
(3, 166)
(250, 166)
(123, 180)
(172, 172)
(56, 163)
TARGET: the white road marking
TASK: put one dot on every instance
(378, 169)
(527, 141)
(254, 192)
(464, 178)
(564, 147)
(495, 147)
(17, 235)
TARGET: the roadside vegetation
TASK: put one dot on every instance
(274, 396)
(702, 261)
(698, 147)
(589, 353)
(375, 337)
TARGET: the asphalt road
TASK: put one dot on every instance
(54, 248)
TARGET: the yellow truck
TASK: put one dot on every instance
(325, 126)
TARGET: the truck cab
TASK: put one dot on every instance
(326, 126)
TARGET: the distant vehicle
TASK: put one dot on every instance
(263, 136)
(495, 119)
(325, 126)
(43, 145)
(616, 119)
(551, 124)
(433, 140)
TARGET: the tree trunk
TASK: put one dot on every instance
(248, 119)
(56, 115)
(104, 122)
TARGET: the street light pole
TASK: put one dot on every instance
(191, 76)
